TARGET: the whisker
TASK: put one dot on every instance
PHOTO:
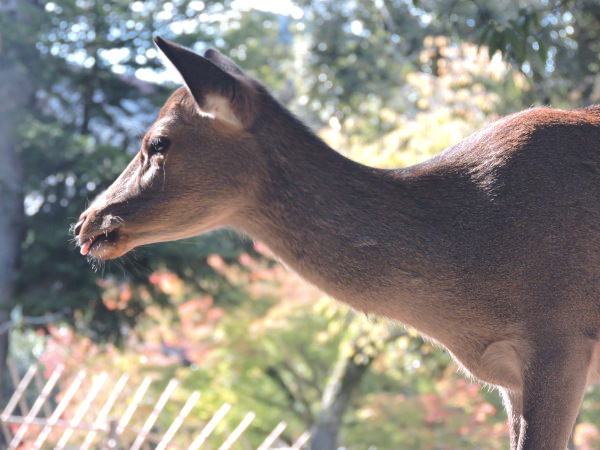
(73, 242)
(120, 264)
(140, 268)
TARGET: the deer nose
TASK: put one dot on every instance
(78, 225)
(85, 219)
(96, 221)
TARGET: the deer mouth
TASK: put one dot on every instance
(94, 243)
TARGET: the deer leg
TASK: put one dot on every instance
(513, 403)
(554, 386)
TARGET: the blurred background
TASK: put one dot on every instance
(386, 82)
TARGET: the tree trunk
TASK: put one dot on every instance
(346, 378)
(11, 204)
(15, 92)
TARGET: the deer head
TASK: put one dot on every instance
(194, 163)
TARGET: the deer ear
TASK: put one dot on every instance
(217, 84)
(223, 61)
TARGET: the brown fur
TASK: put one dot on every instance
(492, 248)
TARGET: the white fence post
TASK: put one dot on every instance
(111, 431)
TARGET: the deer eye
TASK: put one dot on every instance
(159, 144)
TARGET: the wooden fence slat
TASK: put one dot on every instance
(210, 426)
(6, 432)
(19, 391)
(39, 383)
(83, 408)
(137, 399)
(160, 404)
(37, 405)
(62, 405)
(237, 432)
(42, 422)
(17, 397)
(273, 435)
(103, 415)
(14, 376)
(178, 421)
(303, 439)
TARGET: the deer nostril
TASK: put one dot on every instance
(78, 226)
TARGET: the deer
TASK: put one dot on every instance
(490, 248)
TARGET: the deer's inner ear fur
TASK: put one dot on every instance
(218, 85)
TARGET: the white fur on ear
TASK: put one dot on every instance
(217, 108)
(220, 108)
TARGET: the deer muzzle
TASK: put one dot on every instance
(99, 234)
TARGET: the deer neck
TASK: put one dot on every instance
(365, 236)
